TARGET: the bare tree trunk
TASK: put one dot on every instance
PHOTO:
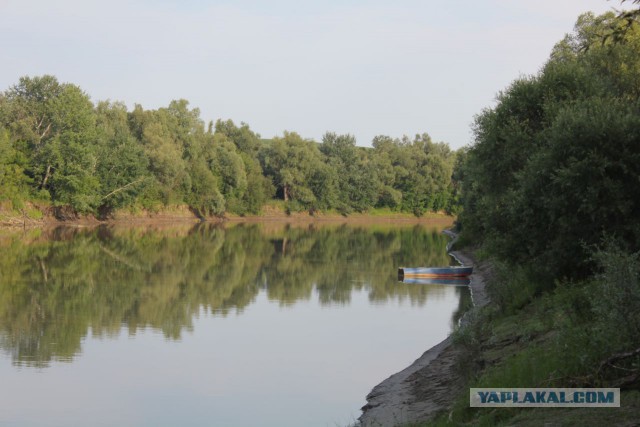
(124, 187)
(46, 177)
(46, 131)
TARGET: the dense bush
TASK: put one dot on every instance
(556, 164)
(551, 188)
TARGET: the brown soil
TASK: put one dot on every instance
(270, 213)
(34, 215)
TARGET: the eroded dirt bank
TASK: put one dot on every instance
(35, 216)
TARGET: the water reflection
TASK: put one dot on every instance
(58, 286)
(431, 281)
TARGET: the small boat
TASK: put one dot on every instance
(435, 272)
(456, 281)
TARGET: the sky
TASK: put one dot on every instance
(361, 67)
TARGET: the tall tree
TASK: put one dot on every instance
(54, 124)
(291, 161)
(357, 178)
(554, 164)
(14, 184)
(243, 137)
(158, 131)
(415, 174)
(122, 165)
(258, 188)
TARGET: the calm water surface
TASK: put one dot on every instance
(245, 325)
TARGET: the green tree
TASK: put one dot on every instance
(29, 113)
(230, 168)
(243, 137)
(54, 124)
(383, 157)
(415, 174)
(290, 162)
(554, 165)
(259, 188)
(14, 184)
(122, 168)
(158, 132)
(356, 177)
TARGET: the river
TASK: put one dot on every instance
(210, 325)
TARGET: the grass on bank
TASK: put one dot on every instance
(563, 334)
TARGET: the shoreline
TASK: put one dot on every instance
(49, 217)
(430, 384)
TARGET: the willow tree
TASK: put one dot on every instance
(291, 162)
(357, 177)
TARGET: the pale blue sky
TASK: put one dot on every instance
(361, 67)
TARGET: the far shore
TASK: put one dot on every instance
(49, 217)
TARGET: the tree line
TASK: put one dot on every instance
(57, 147)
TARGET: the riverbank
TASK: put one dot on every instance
(522, 339)
(33, 215)
(431, 384)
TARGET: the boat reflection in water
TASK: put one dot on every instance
(454, 275)
(463, 281)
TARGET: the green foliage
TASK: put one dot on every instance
(614, 296)
(559, 339)
(552, 175)
(291, 162)
(122, 167)
(323, 183)
(229, 167)
(575, 329)
(205, 197)
(165, 153)
(243, 137)
(29, 109)
(52, 126)
(56, 146)
(415, 175)
(555, 163)
(258, 188)
(13, 181)
(515, 287)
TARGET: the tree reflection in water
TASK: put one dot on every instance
(59, 285)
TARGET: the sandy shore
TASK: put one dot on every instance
(430, 385)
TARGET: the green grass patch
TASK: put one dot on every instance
(33, 213)
(384, 212)
(627, 415)
(531, 336)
